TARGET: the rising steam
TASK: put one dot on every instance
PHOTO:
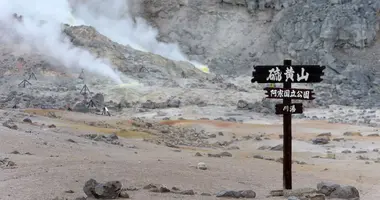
(41, 29)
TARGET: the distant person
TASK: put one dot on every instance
(105, 111)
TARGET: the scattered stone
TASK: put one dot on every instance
(27, 120)
(299, 192)
(264, 147)
(258, 156)
(373, 135)
(277, 193)
(362, 157)
(161, 189)
(279, 147)
(214, 155)
(328, 134)
(28, 153)
(346, 151)
(225, 154)
(205, 194)
(175, 189)
(338, 139)
(212, 136)
(220, 134)
(9, 124)
(198, 154)
(108, 190)
(187, 192)
(237, 194)
(124, 194)
(52, 126)
(233, 148)
(361, 151)
(107, 138)
(149, 186)
(333, 190)
(7, 164)
(352, 134)
(15, 152)
(321, 140)
(71, 140)
(69, 191)
(376, 150)
(202, 166)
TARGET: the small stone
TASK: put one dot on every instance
(361, 151)
(149, 186)
(220, 134)
(346, 151)
(373, 135)
(212, 136)
(71, 140)
(258, 157)
(352, 134)
(213, 155)
(15, 152)
(321, 140)
(187, 192)
(328, 134)
(27, 120)
(225, 154)
(124, 194)
(279, 147)
(69, 191)
(277, 193)
(52, 126)
(205, 194)
(202, 166)
(198, 154)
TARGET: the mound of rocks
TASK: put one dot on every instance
(108, 190)
(109, 138)
(7, 164)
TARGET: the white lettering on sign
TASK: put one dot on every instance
(289, 74)
(300, 94)
(273, 93)
(275, 74)
(287, 93)
(304, 75)
(293, 94)
(292, 109)
(280, 93)
(306, 95)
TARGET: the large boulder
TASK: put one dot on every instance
(108, 190)
(333, 190)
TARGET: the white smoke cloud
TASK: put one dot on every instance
(41, 29)
(42, 26)
(113, 19)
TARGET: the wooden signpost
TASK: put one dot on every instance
(288, 74)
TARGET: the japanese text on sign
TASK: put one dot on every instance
(275, 74)
(290, 109)
(289, 93)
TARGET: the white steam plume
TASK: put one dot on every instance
(113, 19)
(41, 29)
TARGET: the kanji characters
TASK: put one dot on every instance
(304, 75)
(289, 74)
(275, 74)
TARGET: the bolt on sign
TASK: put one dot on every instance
(288, 74)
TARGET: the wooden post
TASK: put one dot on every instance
(287, 131)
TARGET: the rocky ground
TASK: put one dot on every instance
(55, 154)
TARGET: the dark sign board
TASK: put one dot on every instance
(293, 93)
(293, 73)
(294, 108)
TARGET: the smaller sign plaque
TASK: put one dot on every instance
(294, 108)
